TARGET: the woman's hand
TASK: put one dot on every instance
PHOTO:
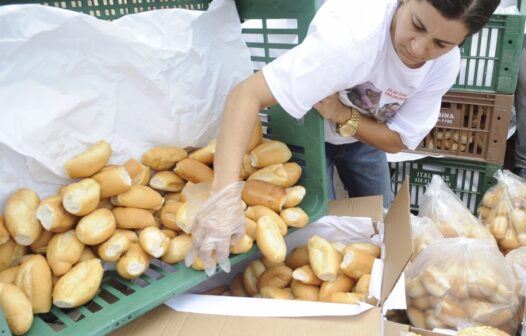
(332, 108)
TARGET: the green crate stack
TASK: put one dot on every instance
(4, 328)
(120, 301)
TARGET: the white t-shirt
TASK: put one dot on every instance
(348, 49)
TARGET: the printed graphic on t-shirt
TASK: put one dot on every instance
(367, 98)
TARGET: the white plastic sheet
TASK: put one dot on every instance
(68, 80)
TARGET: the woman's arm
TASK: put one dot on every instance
(241, 110)
(369, 131)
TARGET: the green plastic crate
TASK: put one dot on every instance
(120, 301)
(4, 328)
(468, 179)
(491, 57)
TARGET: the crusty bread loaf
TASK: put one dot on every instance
(205, 154)
(138, 196)
(298, 257)
(356, 263)
(293, 173)
(171, 234)
(257, 211)
(269, 152)
(114, 247)
(278, 276)
(323, 258)
(246, 169)
(368, 248)
(52, 215)
(275, 293)
(90, 161)
(264, 193)
(167, 180)
(304, 292)
(34, 279)
(113, 181)
(163, 158)
(10, 254)
(82, 197)
(134, 262)
(154, 242)
(182, 220)
(194, 171)
(87, 254)
(96, 227)
(294, 217)
(294, 196)
(17, 308)
(4, 234)
(250, 228)
(178, 249)
(20, 216)
(275, 174)
(243, 245)
(63, 251)
(40, 245)
(168, 215)
(305, 275)
(270, 240)
(133, 218)
(139, 173)
(342, 284)
(362, 286)
(9, 275)
(78, 285)
(251, 273)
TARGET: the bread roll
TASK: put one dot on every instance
(96, 227)
(294, 196)
(90, 161)
(236, 287)
(246, 169)
(163, 158)
(139, 173)
(256, 137)
(114, 247)
(421, 303)
(4, 234)
(17, 308)
(167, 181)
(450, 311)
(168, 215)
(294, 217)
(10, 254)
(518, 220)
(79, 285)
(106, 204)
(182, 220)
(250, 228)
(368, 248)
(510, 240)
(40, 245)
(481, 331)
(257, 211)
(250, 276)
(434, 281)
(362, 286)
(170, 234)
(268, 153)
(141, 197)
(263, 193)
(63, 251)
(87, 254)
(205, 154)
(34, 279)
(346, 298)
(432, 321)
(342, 284)
(414, 288)
(113, 181)
(154, 242)
(503, 295)
(304, 292)
(298, 257)
(134, 262)
(82, 197)
(484, 284)
(130, 234)
(275, 293)
(194, 171)
(9, 275)
(275, 174)
(178, 248)
(417, 317)
(270, 240)
(305, 275)
(293, 173)
(356, 263)
(133, 218)
(170, 197)
(52, 215)
(324, 259)
(20, 216)
(243, 245)
(278, 276)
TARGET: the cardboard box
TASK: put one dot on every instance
(397, 239)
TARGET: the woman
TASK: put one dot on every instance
(375, 70)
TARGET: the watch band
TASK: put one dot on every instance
(348, 128)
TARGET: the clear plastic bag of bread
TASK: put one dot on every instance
(456, 283)
(217, 221)
(424, 232)
(448, 212)
(503, 210)
(517, 261)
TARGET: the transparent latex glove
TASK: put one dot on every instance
(218, 221)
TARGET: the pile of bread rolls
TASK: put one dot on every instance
(449, 214)
(423, 232)
(52, 249)
(503, 211)
(459, 282)
(318, 271)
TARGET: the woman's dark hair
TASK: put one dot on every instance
(473, 13)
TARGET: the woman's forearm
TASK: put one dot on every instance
(378, 135)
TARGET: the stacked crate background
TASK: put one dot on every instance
(472, 129)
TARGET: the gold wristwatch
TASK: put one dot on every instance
(348, 128)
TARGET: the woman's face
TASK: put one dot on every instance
(420, 33)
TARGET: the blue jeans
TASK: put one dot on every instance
(363, 170)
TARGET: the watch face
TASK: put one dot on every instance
(345, 130)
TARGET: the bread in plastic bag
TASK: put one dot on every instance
(503, 210)
(448, 212)
(424, 232)
(458, 283)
